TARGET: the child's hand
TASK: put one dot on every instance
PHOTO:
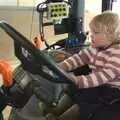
(62, 66)
(71, 75)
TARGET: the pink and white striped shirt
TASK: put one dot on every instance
(105, 66)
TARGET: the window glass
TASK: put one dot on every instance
(20, 2)
(8, 2)
(26, 2)
(116, 6)
(92, 8)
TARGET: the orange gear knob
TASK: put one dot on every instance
(6, 71)
(38, 42)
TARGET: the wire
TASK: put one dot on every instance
(41, 24)
(41, 30)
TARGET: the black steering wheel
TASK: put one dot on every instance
(29, 55)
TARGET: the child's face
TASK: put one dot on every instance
(99, 39)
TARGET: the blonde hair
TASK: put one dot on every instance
(108, 23)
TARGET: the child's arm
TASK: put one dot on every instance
(109, 73)
(77, 60)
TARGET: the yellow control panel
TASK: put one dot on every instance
(58, 10)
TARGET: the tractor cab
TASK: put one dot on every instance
(39, 89)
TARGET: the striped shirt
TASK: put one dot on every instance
(105, 66)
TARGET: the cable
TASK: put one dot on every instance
(41, 10)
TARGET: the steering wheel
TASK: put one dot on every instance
(29, 55)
